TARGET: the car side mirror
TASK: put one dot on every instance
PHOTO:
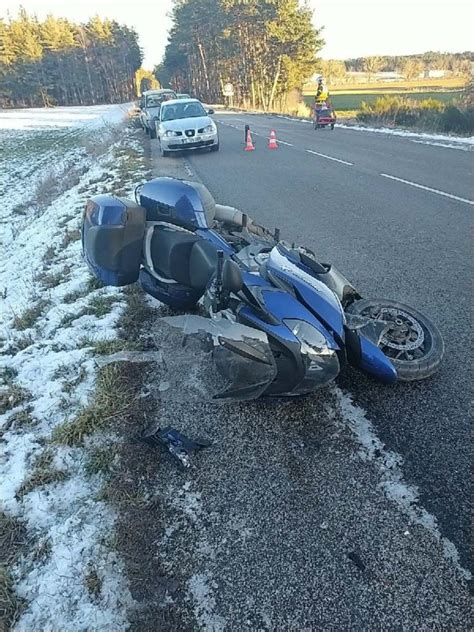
(232, 280)
(211, 111)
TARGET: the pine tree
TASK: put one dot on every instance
(59, 62)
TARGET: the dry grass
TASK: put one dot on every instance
(112, 399)
(8, 375)
(93, 581)
(54, 184)
(53, 279)
(70, 236)
(44, 473)
(13, 396)
(108, 347)
(98, 306)
(72, 297)
(136, 314)
(12, 540)
(94, 284)
(29, 317)
(101, 304)
(102, 141)
(20, 420)
(42, 550)
(49, 254)
(442, 83)
(21, 343)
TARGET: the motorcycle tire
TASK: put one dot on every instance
(412, 362)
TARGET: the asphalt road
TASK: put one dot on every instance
(394, 240)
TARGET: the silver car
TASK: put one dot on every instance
(185, 124)
(150, 103)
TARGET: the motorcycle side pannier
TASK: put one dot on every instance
(112, 238)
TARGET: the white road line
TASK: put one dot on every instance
(283, 142)
(422, 186)
(344, 162)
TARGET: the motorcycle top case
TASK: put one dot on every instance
(112, 238)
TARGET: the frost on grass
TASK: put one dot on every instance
(54, 320)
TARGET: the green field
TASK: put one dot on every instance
(352, 101)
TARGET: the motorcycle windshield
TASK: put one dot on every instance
(209, 360)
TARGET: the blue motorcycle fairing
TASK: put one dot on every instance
(251, 278)
(172, 200)
(375, 362)
(216, 239)
(316, 295)
(282, 306)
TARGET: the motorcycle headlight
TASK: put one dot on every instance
(208, 129)
(313, 342)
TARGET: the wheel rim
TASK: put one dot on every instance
(405, 339)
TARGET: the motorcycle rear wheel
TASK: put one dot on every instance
(414, 344)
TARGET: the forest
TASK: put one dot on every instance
(265, 48)
(58, 62)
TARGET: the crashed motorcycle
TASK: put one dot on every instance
(256, 315)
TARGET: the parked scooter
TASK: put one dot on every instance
(268, 317)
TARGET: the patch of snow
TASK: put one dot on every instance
(39, 118)
(447, 145)
(429, 139)
(201, 589)
(392, 483)
(66, 514)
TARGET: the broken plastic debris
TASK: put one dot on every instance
(355, 558)
(205, 360)
(179, 446)
(131, 356)
(373, 330)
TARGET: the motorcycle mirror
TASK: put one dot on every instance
(232, 280)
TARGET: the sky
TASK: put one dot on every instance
(352, 28)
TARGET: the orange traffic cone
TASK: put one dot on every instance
(249, 145)
(272, 141)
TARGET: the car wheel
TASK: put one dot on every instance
(164, 152)
(215, 147)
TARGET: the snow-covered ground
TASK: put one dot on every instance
(63, 117)
(51, 314)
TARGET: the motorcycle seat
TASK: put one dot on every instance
(182, 257)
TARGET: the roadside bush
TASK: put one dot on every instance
(458, 120)
(429, 114)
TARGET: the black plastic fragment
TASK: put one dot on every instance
(179, 446)
(355, 558)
